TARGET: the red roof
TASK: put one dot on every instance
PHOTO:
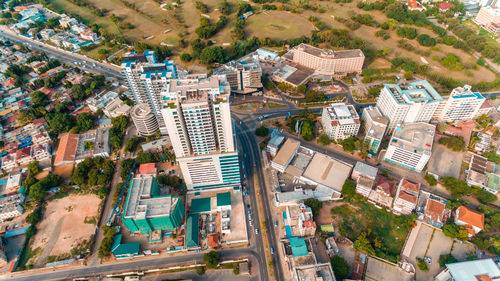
(445, 6)
(470, 217)
(485, 105)
(213, 240)
(408, 197)
(39, 121)
(410, 186)
(434, 209)
(66, 150)
(385, 185)
(309, 224)
(148, 168)
(23, 152)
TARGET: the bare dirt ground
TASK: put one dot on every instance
(63, 226)
(325, 214)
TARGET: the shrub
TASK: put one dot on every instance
(431, 180)
(262, 131)
(426, 40)
(422, 265)
(340, 267)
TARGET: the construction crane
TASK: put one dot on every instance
(124, 187)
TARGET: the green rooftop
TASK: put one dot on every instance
(192, 224)
(224, 199)
(200, 205)
(299, 247)
(124, 250)
(327, 228)
(493, 181)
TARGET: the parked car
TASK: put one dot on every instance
(256, 231)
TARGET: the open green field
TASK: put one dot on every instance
(387, 231)
(278, 25)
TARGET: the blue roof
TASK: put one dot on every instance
(474, 94)
(127, 249)
(299, 247)
(417, 91)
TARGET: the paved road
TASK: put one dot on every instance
(251, 151)
(63, 55)
(131, 265)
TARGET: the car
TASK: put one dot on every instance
(276, 223)
(256, 231)
(251, 223)
(124, 155)
(272, 251)
(249, 217)
(161, 171)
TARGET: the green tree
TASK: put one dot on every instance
(34, 168)
(59, 122)
(37, 192)
(186, 57)
(422, 265)
(340, 267)
(349, 144)
(132, 143)
(200, 270)
(107, 241)
(455, 231)
(455, 143)
(212, 259)
(307, 131)
(85, 121)
(363, 244)
(324, 139)
(446, 259)
(314, 204)
(484, 196)
(212, 54)
(407, 32)
(39, 99)
(262, 131)
(426, 40)
(431, 180)
(348, 188)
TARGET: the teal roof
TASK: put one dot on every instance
(200, 205)
(128, 249)
(224, 199)
(192, 231)
(299, 247)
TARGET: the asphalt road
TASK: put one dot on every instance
(132, 265)
(251, 152)
(67, 57)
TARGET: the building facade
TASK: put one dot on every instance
(144, 119)
(329, 62)
(340, 121)
(375, 128)
(243, 75)
(416, 102)
(411, 146)
(461, 105)
(146, 78)
(200, 128)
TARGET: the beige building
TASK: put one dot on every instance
(489, 18)
(144, 119)
(329, 62)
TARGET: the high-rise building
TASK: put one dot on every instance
(243, 75)
(329, 62)
(411, 146)
(413, 103)
(146, 78)
(461, 105)
(144, 120)
(198, 121)
(375, 127)
(340, 121)
(488, 15)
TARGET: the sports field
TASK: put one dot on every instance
(278, 25)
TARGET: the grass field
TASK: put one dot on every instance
(278, 25)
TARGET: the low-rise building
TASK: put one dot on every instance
(362, 169)
(432, 210)
(74, 148)
(274, 144)
(285, 155)
(375, 128)
(484, 269)
(11, 206)
(472, 221)
(382, 195)
(116, 108)
(406, 197)
(299, 221)
(411, 146)
(340, 121)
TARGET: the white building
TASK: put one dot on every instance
(375, 128)
(461, 105)
(11, 206)
(285, 155)
(416, 102)
(411, 146)
(146, 78)
(198, 122)
(340, 121)
(144, 119)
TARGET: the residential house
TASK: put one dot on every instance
(472, 221)
(406, 197)
(382, 194)
(432, 209)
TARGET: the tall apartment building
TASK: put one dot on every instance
(144, 120)
(411, 146)
(375, 127)
(487, 16)
(146, 78)
(201, 131)
(329, 62)
(243, 76)
(461, 105)
(340, 121)
(413, 103)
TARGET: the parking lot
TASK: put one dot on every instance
(432, 243)
(445, 162)
(377, 270)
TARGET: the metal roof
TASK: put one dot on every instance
(224, 199)
(299, 247)
(192, 231)
(200, 205)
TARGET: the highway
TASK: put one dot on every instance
(67, 57)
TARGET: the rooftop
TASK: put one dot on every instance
(327, 171)
(365, 170)
(201, 205)
(286, 152)
(66, 149)
(464, 91)
(470, 217)
(416, 92)
(330, 54)
(377, 128)
(224, 199)
(147, 168)
(414, 137)
(343, 114)
(471, 270)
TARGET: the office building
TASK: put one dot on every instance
(411, 146)
(413, 103)
(340, 121)
(146, 78)
(461, 105)
(146, 210)
(375, 128)
(328, 62)
(243, 75)
(144, 119)
(200, 128)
